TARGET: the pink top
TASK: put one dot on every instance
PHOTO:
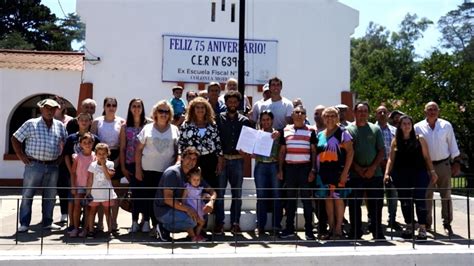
(83, 163)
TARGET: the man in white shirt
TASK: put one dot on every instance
(439, 136)
(256, 108)
(281, 107)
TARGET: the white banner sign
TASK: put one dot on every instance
(206, 59)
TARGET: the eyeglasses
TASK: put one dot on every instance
(111, 105)
(300, 112)
(162, 111)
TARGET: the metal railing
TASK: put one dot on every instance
(10, 207)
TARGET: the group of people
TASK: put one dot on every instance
(179, 162)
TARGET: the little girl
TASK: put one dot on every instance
(79, 176)
(100, 186)
(193, 197)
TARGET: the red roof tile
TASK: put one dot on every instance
(41, 60)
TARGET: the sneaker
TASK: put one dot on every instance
(146, 227)
(23, 229)
(395, 226)
(218, 229)
(407, 233)
(63, 218)
(310, 236)
(259, 232)
(162, 234)
(235, 229)
(448, 230)
(73, 233)
(134, 228)
(198, 238)
(83, 233)
(52, 227)
(287, 233)
(421, 234)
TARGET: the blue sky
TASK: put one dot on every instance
(388, 13)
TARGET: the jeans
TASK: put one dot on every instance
(176, 221)
(411, 187)
(39, 175)
(373, 189)
(268, 192)
(296, 178)
(232, 173)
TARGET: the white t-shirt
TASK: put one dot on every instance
(281, 110)
(101, 186)
(161, 148)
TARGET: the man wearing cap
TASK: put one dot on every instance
(43, 138)
(179, 107)
(443, 148)
(256, 108)
(342, 114)
(395, 117)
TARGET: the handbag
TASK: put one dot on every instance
(126, 203)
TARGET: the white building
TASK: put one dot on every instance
(310, 42)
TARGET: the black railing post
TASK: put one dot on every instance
(17, 219)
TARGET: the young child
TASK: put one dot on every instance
(193, 197)
(100, 186)
(179, 107)
(79, 177)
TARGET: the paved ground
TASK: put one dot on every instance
(37, 241)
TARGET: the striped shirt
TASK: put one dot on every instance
(298, 143)
(41, 142)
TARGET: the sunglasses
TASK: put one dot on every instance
(300, 112)
(111, 105)
(162, 111)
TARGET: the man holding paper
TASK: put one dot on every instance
(230, 125)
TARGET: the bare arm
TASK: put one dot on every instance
(177, 204)
(73, 175)
(347, 166)
(19, 151)
(281, 161)
(390, 161)
(123, 145)
(138, 161)
(94, 129)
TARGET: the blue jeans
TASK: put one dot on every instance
(268, 192)
(176, 221)
(232, 173)
(39, 175)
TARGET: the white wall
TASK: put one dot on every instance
(17, 85)
(313, 50)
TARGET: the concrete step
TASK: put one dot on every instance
(248, 220)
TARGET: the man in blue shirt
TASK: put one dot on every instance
(43, 138)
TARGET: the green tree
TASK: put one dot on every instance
(386, 69)
(31, 25)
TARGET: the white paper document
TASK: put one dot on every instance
(254, 141)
